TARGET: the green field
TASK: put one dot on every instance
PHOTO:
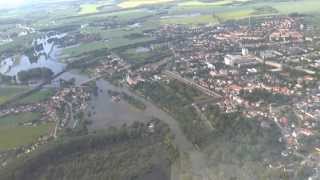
(14, 120)
(6, 93)
(13, 134)
(39, 96)
(137, 3)
(84, 48)
(192, 20)
(114, 38)
(305, 6)
(194, 3)
(236, 9)
(88, 8)
(233, 15)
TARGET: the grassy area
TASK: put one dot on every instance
(305, 6)
(126, 15)
(137, 3)
(191, 20)
(120, 36)
(233, 15)
(215, 3)
(88, 8)
(37, 97)
(6, 93)
(14, 134)
(19, 136)
(14, 120)
(84, 48)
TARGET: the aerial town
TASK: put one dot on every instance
(238, 98)
(267, 71)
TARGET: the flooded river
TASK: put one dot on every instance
(47, 57)
(107, 113)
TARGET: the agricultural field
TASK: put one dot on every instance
(6, 93)
(126, 15)
(305, 6)
(13, 134)
(84, 48)
(88, 8)
(191, 20)
(39, 96)
(137, 3)
(114, 38)
(233, 15)
(196, 3)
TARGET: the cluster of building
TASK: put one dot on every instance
(20, 109)
(279, 55)
(112, 64)
(67, 102)
(61, 109)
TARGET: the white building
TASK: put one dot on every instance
(239, 61)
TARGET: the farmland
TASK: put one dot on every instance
(14, 134)
(88, 8)
(84, 48)
(137, 3)
(191, 20)
(232, 9)
(215, 3)
(6, 93)
(37, 97)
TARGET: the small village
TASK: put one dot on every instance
(62, 109)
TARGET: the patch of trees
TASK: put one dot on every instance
(133, 101)
(176, 98)
(234, 140)
(6, 79)
(127, 153)
(243, 144)
(35, 74)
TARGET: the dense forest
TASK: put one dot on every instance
(102, 156)
(34, 74)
